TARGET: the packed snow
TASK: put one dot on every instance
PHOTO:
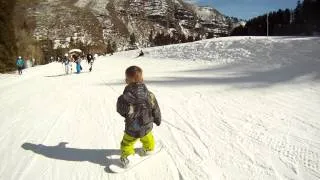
(232, 108)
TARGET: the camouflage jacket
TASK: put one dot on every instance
(140, 109)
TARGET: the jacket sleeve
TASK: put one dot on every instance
(155, 110)
(122, 106)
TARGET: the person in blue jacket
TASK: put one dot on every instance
(77, 61)
(20, 64)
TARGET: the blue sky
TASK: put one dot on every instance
(247, 9)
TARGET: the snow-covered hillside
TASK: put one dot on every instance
(232, 108)
(95, 22)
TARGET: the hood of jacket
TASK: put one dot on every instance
(136, 93)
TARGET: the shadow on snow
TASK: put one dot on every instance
(61, 152)
(240, 75)
(59, 75)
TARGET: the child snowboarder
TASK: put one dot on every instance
(140, 109)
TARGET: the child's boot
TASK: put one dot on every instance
(144, 152)
(124, 162)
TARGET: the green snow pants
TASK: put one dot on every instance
(127, 144)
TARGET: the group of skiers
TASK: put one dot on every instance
(66, 61)
(77, 60)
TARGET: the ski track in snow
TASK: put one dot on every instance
(232, 108)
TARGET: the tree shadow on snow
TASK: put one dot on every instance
(61, 152)
(240, 75)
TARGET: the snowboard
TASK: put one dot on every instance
(135, 161)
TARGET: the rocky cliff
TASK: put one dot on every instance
(97, 22)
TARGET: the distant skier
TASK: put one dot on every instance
(140, 109)
(20, 64)
(66, 63)
(77, 60)
(95, 56)
(141, 53)
(90, 60)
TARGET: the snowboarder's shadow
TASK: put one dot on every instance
(60, 75)
(61, 152)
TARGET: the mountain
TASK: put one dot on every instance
(99, 22)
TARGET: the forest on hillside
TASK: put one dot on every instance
(303, 20)
(7, 36)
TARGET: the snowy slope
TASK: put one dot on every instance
(233, 108)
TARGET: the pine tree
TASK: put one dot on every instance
(190, 39)
(182, 38)
(197, 38)
(151, 38)
(298, 13)
(304, 19)
(114, 46)
(286, 16)
(72, 43)
(109, 47)
(132, 39)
